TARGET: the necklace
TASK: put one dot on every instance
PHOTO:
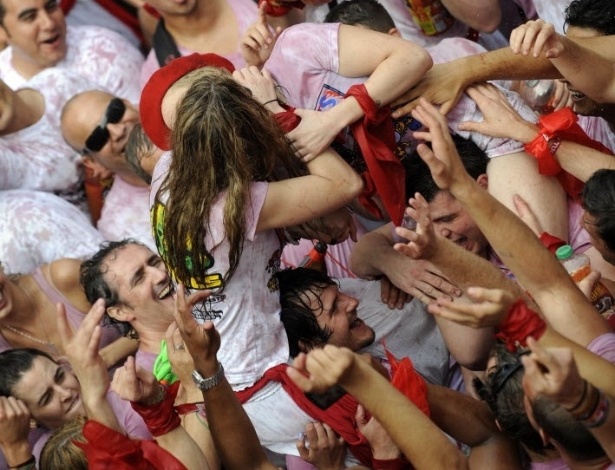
(48, 344)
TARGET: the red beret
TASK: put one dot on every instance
(150, 107)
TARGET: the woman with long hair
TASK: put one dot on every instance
(221, 200)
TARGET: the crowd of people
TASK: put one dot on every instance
(307, 234)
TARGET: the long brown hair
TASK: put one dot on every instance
(222, 140)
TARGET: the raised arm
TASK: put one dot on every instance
(406, 424)
(233, 434)
(534, 266)
(392, 64)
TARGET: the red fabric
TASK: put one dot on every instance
(405, 379)
(551, 242)
(107, 449)
(161, 418)
(340, 415)
(158, 85)
(520, 323)
(152, 11)
(562, 124)
(67, 5)
(276, 9)
(287, 120)
(375, 136)
(392, 464)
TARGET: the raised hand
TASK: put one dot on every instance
(537, 37)
(444, 162)
(132, 383)
(324, 448)
(500, 119)
(489, 307)
(259, 39)
(422, 242)
(81, 348)
(442, 85)
(553, 373)
(14, 430)
(202, 341)
(382, 445)
(322, 368)
(261, 84)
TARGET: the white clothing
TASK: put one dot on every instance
(37, 228)
(37, 157)
(247, 311)
(90, 13)
(598, 129)
(411, 332)
(102, 56)
(125, 213)
(551, 11)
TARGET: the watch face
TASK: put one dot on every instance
(198, 379)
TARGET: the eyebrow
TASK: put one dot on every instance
(152, 260)
(451, 216)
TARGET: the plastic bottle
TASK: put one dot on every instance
(538, 94)
(431, 16)
(316, 258)
(578, 266)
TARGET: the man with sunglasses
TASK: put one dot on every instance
(38, 39)
(97, 125)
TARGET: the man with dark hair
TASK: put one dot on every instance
(374, 254)
(38, 39)
(367, 13)
(545, 430)
(137, 290)
(598, 200)
(317, 310)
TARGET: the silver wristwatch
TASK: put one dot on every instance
(209, 382)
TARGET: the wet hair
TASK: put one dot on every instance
(367, 13)
(14, 363)
(594, 14)
(229, 140)
(297, 316)
(60, 452)
(138, 147)
(418, 176)
(504, 394)
(92, 279)
(560, 426)
(598, 198)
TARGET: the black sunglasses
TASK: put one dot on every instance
(100, 135)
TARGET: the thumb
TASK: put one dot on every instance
(520, 205)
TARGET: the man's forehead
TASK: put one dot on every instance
(442, 204)
(122, 264)
(16, 7)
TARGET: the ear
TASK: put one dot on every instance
(483, 181)
(120, 313)
(394, 32)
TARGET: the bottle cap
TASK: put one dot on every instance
(564, 252)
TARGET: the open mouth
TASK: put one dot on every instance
(74, 404)
(52, 40)
(462, 242)
(166, 292)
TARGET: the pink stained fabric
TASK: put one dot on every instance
(101, 56)
(246, 13)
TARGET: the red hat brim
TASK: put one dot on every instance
(150, 106)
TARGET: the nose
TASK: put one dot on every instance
(46, 20)
(350, 303)
(63, 393)
(159, 274)
(116, 131)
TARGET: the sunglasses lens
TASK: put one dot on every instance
(97, 139)
(115, 111)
